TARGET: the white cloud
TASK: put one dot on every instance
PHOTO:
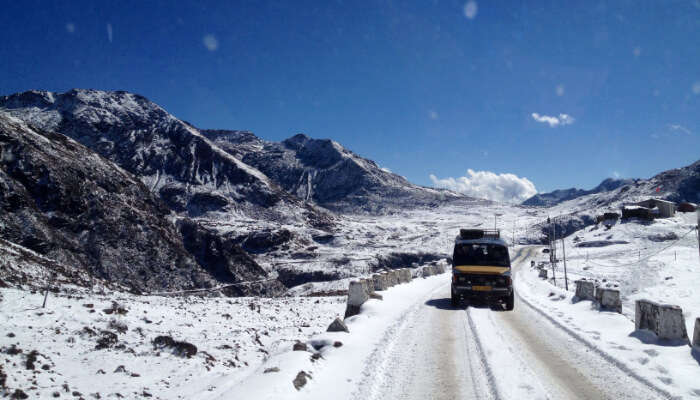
(679, 129)
(470, 9)
(109, 32)
(507, 188)
(433, 115)
(210, 42)
(70, 27)
(385, 169)
(562, 119)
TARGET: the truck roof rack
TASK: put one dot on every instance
(472, 234)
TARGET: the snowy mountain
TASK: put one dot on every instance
(323, 171)
(561, 195)
(65, 202)
(677, 185)
(194, 177)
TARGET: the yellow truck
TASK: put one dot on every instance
(481, 268)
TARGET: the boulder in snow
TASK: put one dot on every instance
(337, 326)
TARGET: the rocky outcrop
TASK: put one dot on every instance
(226, 261)
(63, 201)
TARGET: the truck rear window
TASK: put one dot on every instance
(481, 254)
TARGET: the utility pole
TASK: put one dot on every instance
(46, 291)
(553, 250)
(566, 278)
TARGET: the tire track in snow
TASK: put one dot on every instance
(483, 360)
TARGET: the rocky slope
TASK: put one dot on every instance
(65, 202)
(323, 171)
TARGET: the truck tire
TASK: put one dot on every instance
(510, 301)
(454, 300)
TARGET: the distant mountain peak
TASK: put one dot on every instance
(560, 195)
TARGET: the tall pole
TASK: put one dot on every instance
(46, 291)
(566, 278)
(553, 252)
(697, 228)
(495, 225)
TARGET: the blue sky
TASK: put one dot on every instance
(424, 87)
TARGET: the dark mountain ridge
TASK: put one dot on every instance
(561, 195)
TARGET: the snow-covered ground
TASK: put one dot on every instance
(656, 260)
(238, 339)
(83, 346)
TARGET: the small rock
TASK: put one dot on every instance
(300, 380)
(19, 394)
(337, 326)
(273, 369)
(120, 368)
(337, 344)
(299, 346)
(56, 394)
(10, 334)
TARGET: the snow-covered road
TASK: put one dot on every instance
(479, 353)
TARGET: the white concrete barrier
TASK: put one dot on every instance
(394, 277)
(357, 296)
(408, 274)
(379, 282)
(609, 299)
(696, 334)
(400, 276)
(387, 279)
(369, 283)
(585, 290)
(665, 320)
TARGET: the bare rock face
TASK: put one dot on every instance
(162, 170)
(63, 201)
(226, 261)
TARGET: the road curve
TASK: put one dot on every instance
(441, 352)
